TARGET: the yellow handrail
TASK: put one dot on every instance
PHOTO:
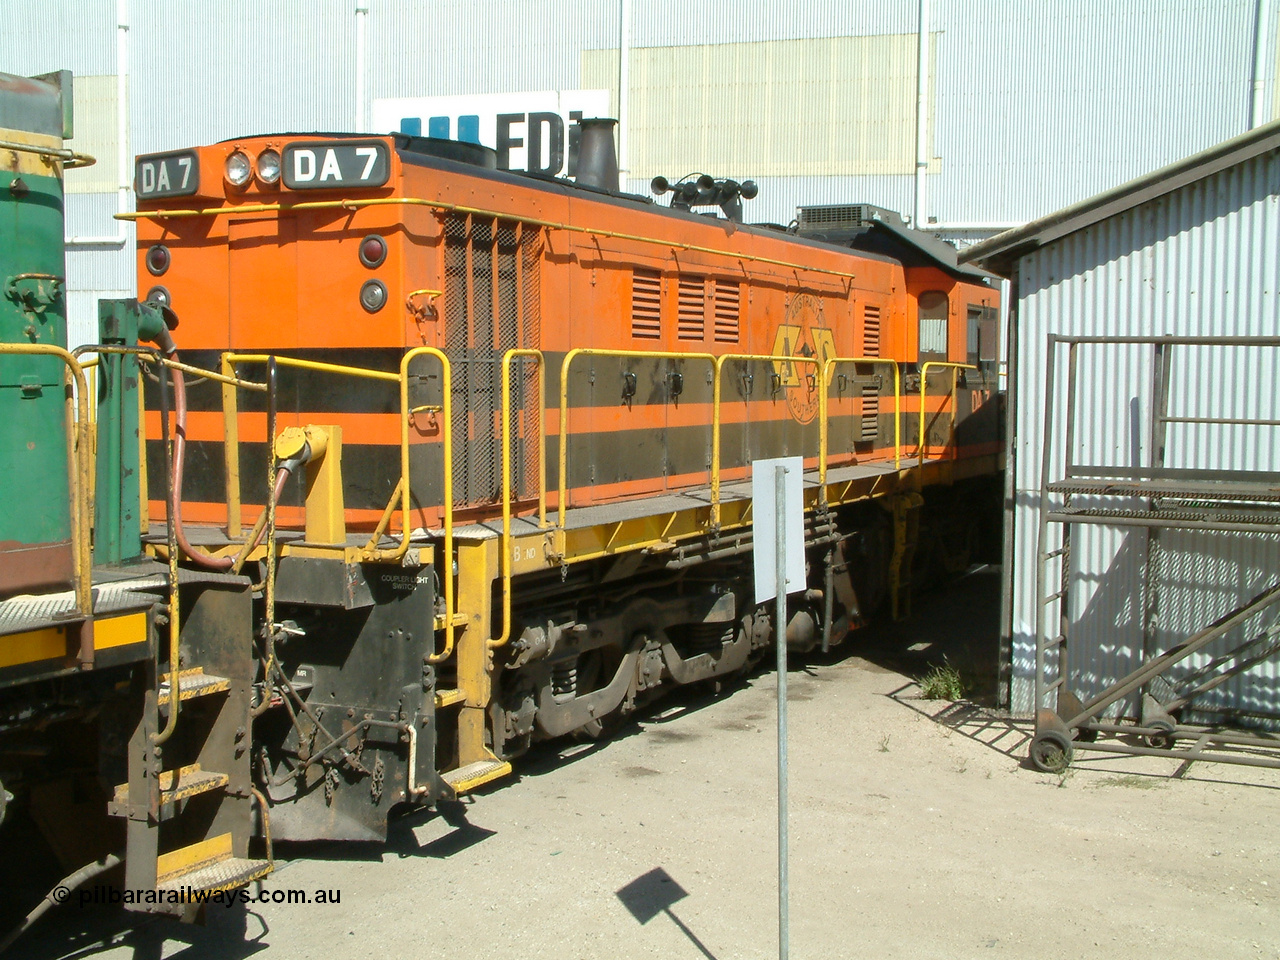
(922, 442)
(234, 358)
(506, 478)
(371, 552)
(564, 406)
(81, 495)
(828, 367)
(720, 362)
(446, 430)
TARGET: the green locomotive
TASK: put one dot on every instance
(101, 648)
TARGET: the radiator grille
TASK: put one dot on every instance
(646, 305)
(870, 331)
(491, 305)
(691, 312)
(728, 298)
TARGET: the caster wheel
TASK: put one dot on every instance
(1051, 751)
(1164, 740)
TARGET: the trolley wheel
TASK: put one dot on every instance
(1051, 751)
(1164, 740)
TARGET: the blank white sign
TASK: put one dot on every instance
(765, 527)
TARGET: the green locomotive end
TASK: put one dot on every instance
(36, 550)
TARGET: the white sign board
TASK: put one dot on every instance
(534, 131)
(764, 499)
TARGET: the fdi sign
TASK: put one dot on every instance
(533, 131)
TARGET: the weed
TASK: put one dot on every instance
(1136, 782)
(942, 682)
(884, 743)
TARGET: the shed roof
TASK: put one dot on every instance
(998, 253)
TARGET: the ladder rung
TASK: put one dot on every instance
(1055, 553)
(1055, 685)
(1054, 596)
(1056, 641)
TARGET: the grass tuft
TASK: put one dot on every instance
(942, 682)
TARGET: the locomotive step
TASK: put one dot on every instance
(179, 784)
(207, 867)
(473, 775)
(447, 698)
(194, 683)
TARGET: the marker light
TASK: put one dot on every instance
(269, 166)
(158, 259)
(159, 295)
(238, 169)
(373, 250)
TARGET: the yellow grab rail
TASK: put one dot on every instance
(506, 477)
(828, 367)
(922, 440)
(624, 354)
(444, 207)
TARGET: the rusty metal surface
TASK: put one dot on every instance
(32, 567)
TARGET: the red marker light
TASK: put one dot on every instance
(373, 250)
(158, 259)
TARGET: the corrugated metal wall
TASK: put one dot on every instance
(1201, 261)
(1034, 105)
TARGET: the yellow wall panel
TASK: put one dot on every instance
(839, 106)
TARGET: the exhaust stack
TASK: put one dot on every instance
(597, 156)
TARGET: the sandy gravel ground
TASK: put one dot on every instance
(917, 830)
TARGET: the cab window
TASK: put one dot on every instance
(933, 325)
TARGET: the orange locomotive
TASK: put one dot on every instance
(494, 432)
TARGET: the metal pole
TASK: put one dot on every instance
(780, 506)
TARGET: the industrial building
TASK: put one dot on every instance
(1018, 110)
(1190, 251)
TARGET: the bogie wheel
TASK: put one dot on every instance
(1051, 751)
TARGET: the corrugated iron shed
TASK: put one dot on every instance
(1192, 249)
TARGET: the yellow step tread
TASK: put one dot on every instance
(181, 783)
(446, 698)
(465, 779)
(223, 875)
(193, 683)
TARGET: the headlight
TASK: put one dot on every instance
(268, 166)
(159, 295)
(373, 295)
(238, 169)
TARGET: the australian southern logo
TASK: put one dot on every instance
(803, 333)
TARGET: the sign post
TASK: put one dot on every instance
(777, 496)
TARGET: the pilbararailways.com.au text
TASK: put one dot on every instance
(183, 895)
